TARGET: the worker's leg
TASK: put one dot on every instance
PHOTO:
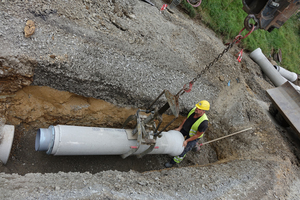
(188, 147)
(197, 147)
(179, 158)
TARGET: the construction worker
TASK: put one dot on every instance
(192, 128)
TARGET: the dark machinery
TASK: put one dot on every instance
(269, 14)
(285, 106)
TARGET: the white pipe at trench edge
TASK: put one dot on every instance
(269, 69)
(291, 76)
(6, 140)
(79, 140)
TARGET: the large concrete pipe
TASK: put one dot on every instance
(78, 140)
(267, 67)
(291, 76)
(6, 140)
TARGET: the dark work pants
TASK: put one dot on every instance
(190, 145)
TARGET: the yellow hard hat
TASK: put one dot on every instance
(203, 105)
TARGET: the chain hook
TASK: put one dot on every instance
(189, 88)
(247, 23)
(239, 37)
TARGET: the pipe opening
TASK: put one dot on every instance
(43, 139)
(6, 140)
(37, 140)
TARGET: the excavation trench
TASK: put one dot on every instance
(36, 107)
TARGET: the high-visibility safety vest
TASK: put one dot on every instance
(195, 126)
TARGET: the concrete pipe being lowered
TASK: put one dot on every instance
(79, 140)
(6, 140)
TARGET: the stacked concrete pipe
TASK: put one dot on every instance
(277, 78)
(79, 140)
(291, 76)
(6, 140)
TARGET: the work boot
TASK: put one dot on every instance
(169, 164)
(196, 148)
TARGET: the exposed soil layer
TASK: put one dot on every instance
(35, 107)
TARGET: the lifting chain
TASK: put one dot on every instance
(237, 39)
(213, 62)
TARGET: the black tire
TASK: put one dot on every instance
(281, 120)
(273, 110)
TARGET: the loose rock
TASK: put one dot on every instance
(29, 28)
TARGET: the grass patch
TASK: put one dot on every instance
(226, 18)
(190, 9)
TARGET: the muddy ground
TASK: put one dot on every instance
(94, 63)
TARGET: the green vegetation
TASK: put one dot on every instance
(226, 18)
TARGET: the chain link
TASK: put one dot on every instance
(237, 39)
(214, 61)
(230, 45)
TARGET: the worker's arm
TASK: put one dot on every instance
(198, 134)
(181, 125)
